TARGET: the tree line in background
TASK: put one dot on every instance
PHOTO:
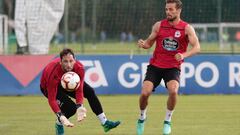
(132, 16)
(137, 17)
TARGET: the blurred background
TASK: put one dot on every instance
(113, 27)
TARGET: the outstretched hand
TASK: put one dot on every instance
(65, 121)
(81, 113)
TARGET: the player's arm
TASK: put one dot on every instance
(52, 93)
(193, 41)
(148, 43)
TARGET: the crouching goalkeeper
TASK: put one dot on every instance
(59, 99)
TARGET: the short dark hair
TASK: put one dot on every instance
(66, 51)
(178, 3)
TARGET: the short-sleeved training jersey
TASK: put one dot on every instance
(51, 79)
(170, 40)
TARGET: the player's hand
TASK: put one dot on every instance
(65, 121)
(179, 56)
(141, 43)
(81, 113)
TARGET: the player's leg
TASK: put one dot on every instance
(96, 107)
(171, 103)
(59, 130)
(44, 17)
(20, 26)
(171, 79)
(67, 107)
(173, 86)
(143, 102)
(151, 81)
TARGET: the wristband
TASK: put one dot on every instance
(59, 114)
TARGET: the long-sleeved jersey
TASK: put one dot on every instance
(51, 79)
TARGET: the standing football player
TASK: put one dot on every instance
(59, 99)
(172, 36)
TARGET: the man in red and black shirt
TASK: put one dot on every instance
(59, 99)
(172, 36)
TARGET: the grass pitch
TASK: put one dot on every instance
(194, 115)
(114, 47)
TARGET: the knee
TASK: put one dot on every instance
(173, 93)
(147, 89)
(173, 90)
(145, 94)
(172, 87)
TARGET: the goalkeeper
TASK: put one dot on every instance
(59, 99)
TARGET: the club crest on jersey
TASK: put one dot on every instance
(170, 44)
(177, 34)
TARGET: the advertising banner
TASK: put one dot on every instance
(122, 74)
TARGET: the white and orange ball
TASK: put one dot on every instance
(70, 81)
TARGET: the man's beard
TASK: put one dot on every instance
(172, 19)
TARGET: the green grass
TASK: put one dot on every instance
(128, 48)
(194, 115)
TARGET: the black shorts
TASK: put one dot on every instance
(155, 75)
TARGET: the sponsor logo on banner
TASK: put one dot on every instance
(117, 74)
(188, 71)
(94, 74)
(130, 74)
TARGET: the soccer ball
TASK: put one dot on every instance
(70, 81)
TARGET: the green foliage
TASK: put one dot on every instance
(115, 16)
